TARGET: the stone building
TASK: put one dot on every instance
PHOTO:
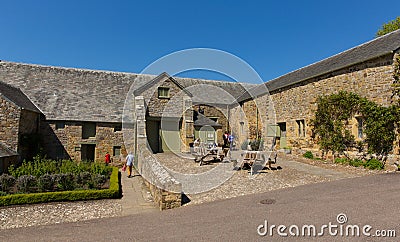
(84, 110)
(88, 113)
(20, 123)
(366, 70)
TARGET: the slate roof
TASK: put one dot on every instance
(90, 95)
(213, 92)
(202, 120)
(16, 96)
(364, 52)
(5, 151)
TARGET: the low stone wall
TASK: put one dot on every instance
(164, 188)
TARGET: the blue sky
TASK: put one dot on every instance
(274, 37)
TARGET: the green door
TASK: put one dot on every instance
(207, 134)
(170, 136)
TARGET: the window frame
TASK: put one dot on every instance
(161, 93)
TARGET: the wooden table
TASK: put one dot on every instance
(250, 157)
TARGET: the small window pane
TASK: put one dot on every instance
(163, 92)
(116, 150)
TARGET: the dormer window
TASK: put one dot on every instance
(163, 92)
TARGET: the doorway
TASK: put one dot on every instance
(88, 152)
(282, 136)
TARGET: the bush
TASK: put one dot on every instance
(6, 182)
(46, 182)
(100, 168)
(356, 162)
(65, 182)
(308, 155)
(26, 183)
(98, 180)
(342, 161)
(374, 164)
(112, 192)
(83, 179)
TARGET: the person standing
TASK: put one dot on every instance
(230, 139)
(107, 159)
(129, 163)
(225, 138)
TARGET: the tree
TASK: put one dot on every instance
(389, 27)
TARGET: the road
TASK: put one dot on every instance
(365, 201)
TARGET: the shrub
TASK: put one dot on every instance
(342, 161)
(112, 192)
(100, 168)
(6, 182)
(26, 183)
(374, 164)
(98, 180)
(83, 179)
(46, 182)
(308, 155)
(65, 181)
(356, 162)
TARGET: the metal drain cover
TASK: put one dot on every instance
(268, 201)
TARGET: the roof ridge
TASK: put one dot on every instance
(340, 53)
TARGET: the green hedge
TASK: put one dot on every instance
(112, 192)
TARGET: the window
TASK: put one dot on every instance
(60, 125)
(116, 150)
(301, 130)
(88, 130)
(117, 128)
(163, 92)
(359, 127)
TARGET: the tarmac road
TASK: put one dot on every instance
(365, 201)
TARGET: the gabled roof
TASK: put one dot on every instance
(202, 120)
(5, 151)
(364, 52)
(162, 76)
(16, 96)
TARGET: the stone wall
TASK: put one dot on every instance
(371, 79)
(66, 141)
(165, 189)
(9, 123)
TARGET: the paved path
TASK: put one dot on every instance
(370, 200)
(313, 170)
(136, 197)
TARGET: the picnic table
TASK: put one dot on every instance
(202, 151)
(261, 158)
